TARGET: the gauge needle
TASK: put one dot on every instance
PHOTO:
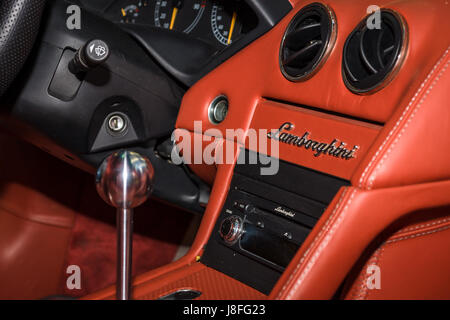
(174, 16)
(233, 24)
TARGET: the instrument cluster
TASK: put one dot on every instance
(219, 22)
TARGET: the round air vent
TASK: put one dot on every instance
(373, 52)
(307, 42)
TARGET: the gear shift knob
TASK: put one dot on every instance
(124, 180)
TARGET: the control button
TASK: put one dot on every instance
(92, 54)
(231, 229)
(240, 205)
(250, 209)
(287, 235)
(218, 109)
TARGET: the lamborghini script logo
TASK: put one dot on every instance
(335, 148)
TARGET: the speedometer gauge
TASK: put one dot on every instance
(178, 14)
(224, 23)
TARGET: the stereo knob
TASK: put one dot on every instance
(231, 229)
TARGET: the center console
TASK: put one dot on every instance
(265, 219)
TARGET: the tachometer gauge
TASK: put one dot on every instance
(180, 15)
(224, 23)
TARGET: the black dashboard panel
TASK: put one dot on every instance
(171, 29)
(217, 22)
(129, 82)
(145, 77)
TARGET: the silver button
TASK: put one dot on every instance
(117, 123)
(218, 109)
(288, 235)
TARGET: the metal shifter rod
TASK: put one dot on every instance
(124, 180)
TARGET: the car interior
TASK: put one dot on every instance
(116, 116)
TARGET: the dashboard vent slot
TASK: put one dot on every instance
(307, 42)
(372, 56)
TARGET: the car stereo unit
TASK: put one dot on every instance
(265, 219)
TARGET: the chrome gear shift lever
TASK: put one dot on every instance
(124, 180)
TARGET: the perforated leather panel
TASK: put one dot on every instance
(19, 23)
(212, 284)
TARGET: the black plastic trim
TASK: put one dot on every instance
(189, 68)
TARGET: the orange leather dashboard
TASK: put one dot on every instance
(321, 127)
(403, 132)
(254, 72)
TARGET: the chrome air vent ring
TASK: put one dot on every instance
(307, 42)
(373, 56)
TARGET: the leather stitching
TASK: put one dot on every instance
(416, 235)
(376, 258)
(408, 122)
(362, 279)
(326, 239)
(391, 133)
(423, 226)
(312, 244)
(327, 231)
(358, 291)
(377, 261)
(333, 228)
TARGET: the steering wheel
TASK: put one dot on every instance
(19, 23)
